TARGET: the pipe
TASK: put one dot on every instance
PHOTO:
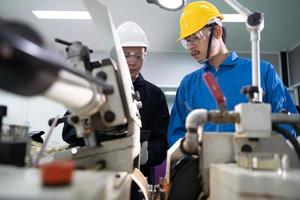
(238, 7)
(76, 94)
(254, 24)
(284, 118)
(194, 125)
(255, 54)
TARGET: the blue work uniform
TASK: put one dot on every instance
(234, 73)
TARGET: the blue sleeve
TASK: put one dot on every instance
(277, 95)
(179, 112)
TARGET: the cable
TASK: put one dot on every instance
(36, 161)
(287, 135)
(296, 127)
(210, 40)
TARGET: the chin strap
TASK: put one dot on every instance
(210, 40)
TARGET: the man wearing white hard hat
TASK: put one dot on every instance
(154, 111)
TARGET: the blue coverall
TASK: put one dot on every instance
(232, 75)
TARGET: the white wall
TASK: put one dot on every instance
(33, 112)
(168, 69)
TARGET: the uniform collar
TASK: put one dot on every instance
(229, 61)
(139, 80)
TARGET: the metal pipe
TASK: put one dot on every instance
(255, 52)
(254, 29)
(216, 116)
(194, 125)
(77, 95)
(196, 118)
(238, 7)
(285, 118)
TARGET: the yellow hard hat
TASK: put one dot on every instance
(195, 16)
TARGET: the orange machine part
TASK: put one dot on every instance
(57, 173)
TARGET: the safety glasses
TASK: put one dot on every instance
(195, 38)
(135, 56)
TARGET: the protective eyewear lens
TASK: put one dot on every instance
(197, 37)
(136, 56)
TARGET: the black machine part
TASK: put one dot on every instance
(20, 70)
(3, 112)
(13, 153)
(59, 121)
(26, 66)
(37, 136)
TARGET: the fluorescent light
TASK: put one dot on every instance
(170, 93)
(49, 14)
(233, 18)
(172, 4)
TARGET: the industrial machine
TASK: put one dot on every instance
(102, 104)
(253, 163)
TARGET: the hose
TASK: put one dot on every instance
(292, 139)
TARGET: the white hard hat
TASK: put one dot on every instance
(132, 35)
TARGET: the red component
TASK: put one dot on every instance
(214, 88)
(57, 173)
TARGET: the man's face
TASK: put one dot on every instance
(135, 57)
(197, 44)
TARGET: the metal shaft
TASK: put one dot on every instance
(285, 118)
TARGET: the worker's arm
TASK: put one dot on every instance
(179, 112)
(277, 95)
(69, 135)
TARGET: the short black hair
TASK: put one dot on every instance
(224, 34)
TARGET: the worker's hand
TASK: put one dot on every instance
(139, 105)
(144, 153)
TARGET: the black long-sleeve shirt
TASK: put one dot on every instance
(155, 119)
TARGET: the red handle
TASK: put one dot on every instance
(214, 88)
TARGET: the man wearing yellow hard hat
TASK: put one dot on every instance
(202, 33)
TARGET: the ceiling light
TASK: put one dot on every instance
(233, 18)
(172, 5)
(49, 14)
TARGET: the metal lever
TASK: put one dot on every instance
(215, 90)
(67, 43)
(59, 121)
(3, 112)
